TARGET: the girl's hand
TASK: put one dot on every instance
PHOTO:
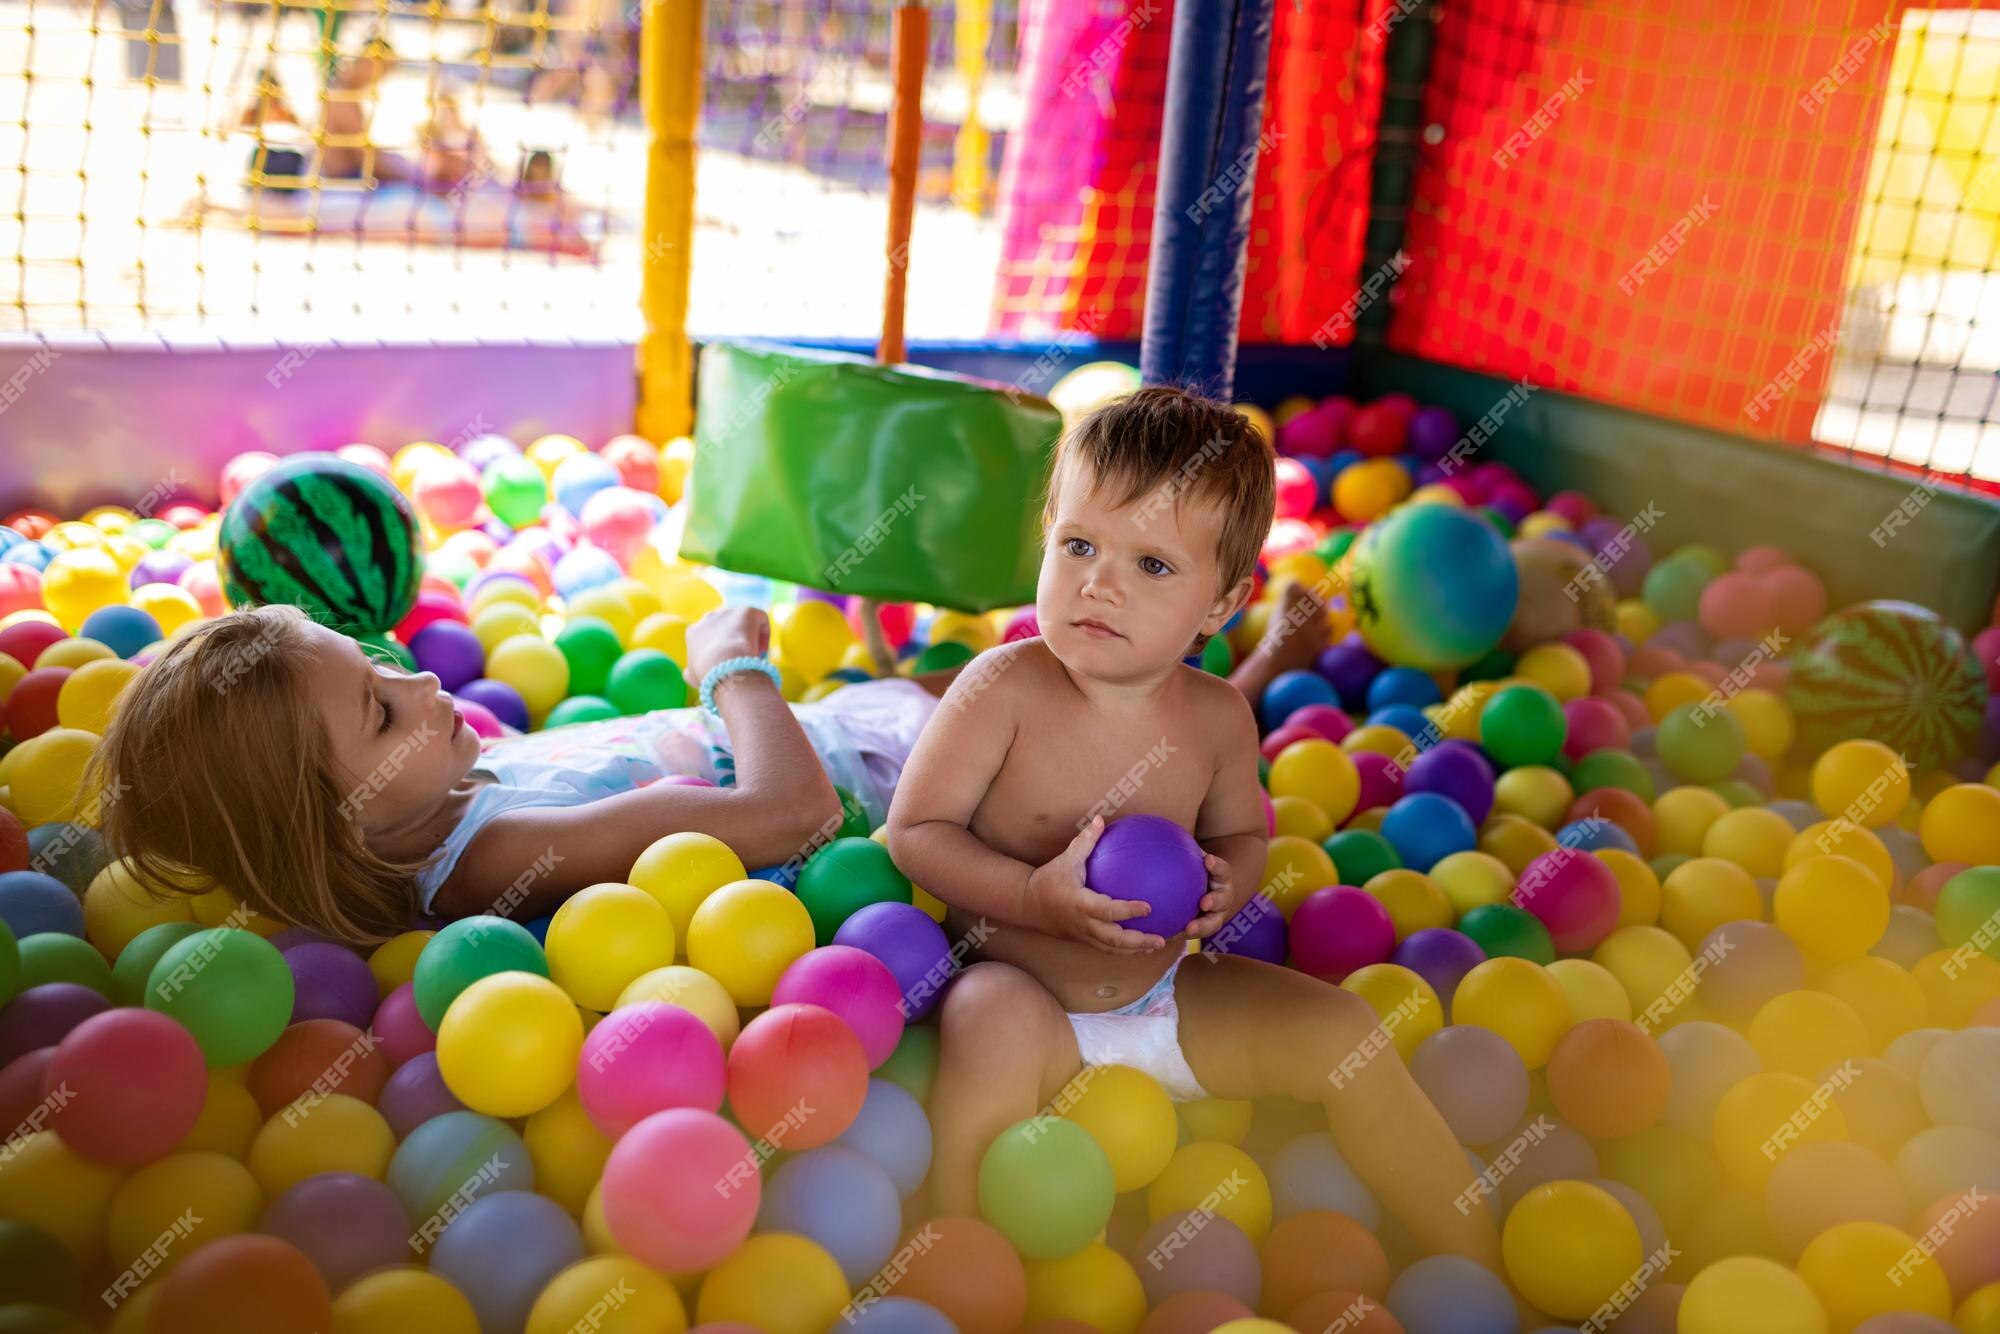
(1062, 905)
(726, 632)
(1215, 909)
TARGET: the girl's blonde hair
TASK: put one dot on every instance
(220, 767)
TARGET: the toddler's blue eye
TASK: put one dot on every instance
(1076, 546)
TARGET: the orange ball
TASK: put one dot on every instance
(1344, 1310)
(970, 1273)
(1317, 1249)
(247, 1282)
(1623, 808)
(336, 1056)
(1196, 1311)
(1609, 1079)
(1970, 1249)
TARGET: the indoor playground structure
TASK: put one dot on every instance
(1632, 374)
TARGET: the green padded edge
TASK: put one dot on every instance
(1726, 489)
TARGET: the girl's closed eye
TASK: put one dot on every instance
(388, 716)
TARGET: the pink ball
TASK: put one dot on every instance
(447, 492)
(482, 720)
(853, 984)
(1574, 893)
(1986, 644)
(1319, 430)
(1738, 606)
(1574, 506)
(1326, 720)
(637, 462)
(1339, 929)
(1602, 652)
(1594, 724)
(647, 1058)
(398, 1027)
(1379, 428)
(1270, 813)
(681, 1190)
(242, 470)
(1298, 492)
(1284, 735)
(1762, 560)
(898, 619)
(1517, 494)
(1381, 780)
(618, 519)
(431, 606)
(369, 457)
(20, 589)
(1021, 625)
(203, 583)
(1797, 596)
(133, 1084)
(1288, 536)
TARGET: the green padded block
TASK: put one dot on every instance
(894, 482)
(1729, 490)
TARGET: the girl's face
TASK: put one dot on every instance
(398, 742)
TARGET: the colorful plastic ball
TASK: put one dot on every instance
(1865, 781)
(497, 700)
(1368, 489)
(450, 650)
(1574, 894)
(1338, 929)
(1806, 1031)
(32, 903)
(1703, 893)
(502, 1250)
(844, 877)
(645, 1058)
(1405, 1004)
(1755, 1125)
(26, 641)
(969, 1272)
(604, 937)
(607, 1294)
(1432, 587)
(1519, 1001)
(1957, 1080)
(346, 1224)
(42, 1016)
(645, 679)
(1292, 691)
(244, 1282)
(1700, 745)
(1862, 1269)
(533, 668)
(1748, 963)
(1507, 930)
(1832, 907)
(1962, 824)
(1836, 839)
(1310, 1173)
(1609, 1079)
(1821, 1185)
(134, 1085)
(856, 987)
(892, 1131)
(1569, 1246)
(465, 951)
(1753, 837)
(320, 1133)
(1968, 910)
(907, 939)
(1450, 1294)
(79, 582)
(229, 988)
(1361, 854)
(745, 935)
(456, 1156)
(48, 774)
(1210, 1175)
(1522, 725)
(398, 1027)
(681, 870)
(1748, 1294)
(777, 1282)
(54, 957)
(1414, 903)
(1047, 1186)
(1969, 1248)
(122, 629)
(330, 982)
(795, 1056)
(1611, 818)
(515, 490)
(508, 1045)
(841, 1200)
(1321, 773)
(1441, 957)
(415, 1093)
(1425, 827)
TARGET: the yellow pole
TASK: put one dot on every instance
(973, 148)
(670, 88)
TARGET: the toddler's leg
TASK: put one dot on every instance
(1251, 1029)
(1005, 1050)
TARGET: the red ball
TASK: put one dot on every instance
(1969, 1248)
(244, 469)
(1381, 780)
(1594, 724)
(32, 523)
(431, 605)
(1604, 654)
(1921, 889)
(1762, 560)
(13, 843)
(637, 462)
(125, 1086)
(797, 1077)
(1298, 492)
(1634, 709)
(1378, 429)
(21, 1091)
(856, 986)
(318, 1056)
(1797, 597)
(1284, 735)
(185, 517)
(1575, 895)
(1986, 646)
(1323, 719)
(20, 589)
(1573, 506)
(1319, 430)
(244, 1283)
(1194, 1311)
(31, 707)
(1623, 808)
(1738, 606)
(24, 641)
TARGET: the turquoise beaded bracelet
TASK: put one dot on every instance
(729, 667)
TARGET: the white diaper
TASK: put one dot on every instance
(1145, 1035)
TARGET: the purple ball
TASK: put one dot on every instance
(1430, 474)
(347, 1224)
(1214, 1256)
(1683, 637)
(498, 698)
(1151, 860)
(1351, 667)
(1598, 533)
(1513, 506)
(1628, 572)
(1458, 772)
(484, 450)
(294, 936)
(414, 1094)
(1339, 929)
(43, 1016)
(904, 937)
(159, 567)
(1257, 931)
(331, 982)
(838, 601)
(1441, 956)
(1432, 433)
(451, 651)
(1993, 725)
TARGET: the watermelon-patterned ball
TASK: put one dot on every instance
(1893, 672)
(326, 535)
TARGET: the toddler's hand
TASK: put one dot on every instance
(1062, 905)
(1297, 630)
(726, 632)
(1214, 905)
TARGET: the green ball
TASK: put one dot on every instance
(645, 679)
(1263, 773)
(1700, 745)
(53, 956)
(591, 647)
(1968, 907)
(136, 960)
(844, 877)
(37, 1318)
(1497, 663)
(1703, 557)
(1498, 518)
(155, 533)
(34, 1267)
(1335, 544)
(943, 657)
(1737, 793)
(913, 1065)
(1359, 855)
(1673, 589)
(1667, 863)
(10, 964)
(853, 815)
(385, 647)
(1502, 928)
(1047, 1186)
(1613, 768)
(581, 709)
(456, 566)
(515, 491)
(1522, 725)
(464, 952)
(231, 989)
(1217, 658)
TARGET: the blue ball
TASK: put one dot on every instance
(778, 875)
(1309, 1173)
(1403, 685)
(1802, 814)
(585, 568)
(31, 554)
(1291, 691)
(892, 1132)
(898, 1315)
(840, 1199)
(1424, 828)
(539, 928)
(9, 538)
(124, 630)
(1341, 460)
(502, 1251)
(1450, 1294)
(32, 903)
(1411, 721)
(1596, 835)
(453, 1154)
(1455, 769)
(578, 478)
(72, 853)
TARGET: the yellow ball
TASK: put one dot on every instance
(1592, 990)
(394, 961)
(1320, 772)
(1754, 838)
(534, 667)
(1413, 900)
(136, 1315)
(608, 1294)
(218, 907)
(605, 936)
(508, 1044)
(503, 621)
(11, 671)
(1535, 793)
(1653, 967)
(676, 461)
(1404, 1003)
(1699, 895)
(194, 1198)
(639, 596)
(1888, 998)
(503, 593)
(745, 935)
(333, 1133)
(78, 582)
(402, 1301)
(1832, 838)
(1369, 820)
(1747, 1294)
(778, 1282)
(1956, 982)
(1672, 690)
(45, 775)
(1472, 880)
(666, 632)
(1224, 1120)
(1864, 781)
(1129, 1115)
(958, 627)
(1638, 887)
(1514, 840)
(568, 1151)
(610, 604)
(1961, 824)
(813, 636)
(681, 870)
(1568, 1246)
(1212, 1175)
(689, 597)
(1832, 906)
(691, 989)
(1300, 818)
(1518, 1000)
(1369, 489)
(1980, 1313)
(1376, 738)
(45, 1182)
(1635, 620)
(1807, 1033)
(1683, 816)
(116, 907)
(1768, 727)
(75, 653)
(173, 607)
(1293, 868)
(1095, 1287)
(1860, 1270)
(413, 458)
(546, 453)
(1768, 1115)
(1462, 709)
(229, 1122)
(1557, 668)
(1437, 494)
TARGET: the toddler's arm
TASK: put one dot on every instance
(1231, 824)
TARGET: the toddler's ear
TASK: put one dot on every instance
(1225, 606)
